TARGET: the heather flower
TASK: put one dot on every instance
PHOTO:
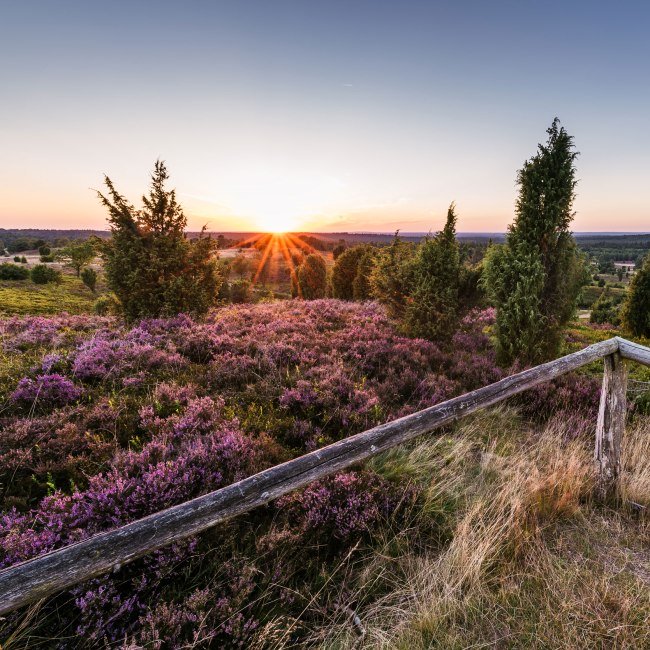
(346, 505)
(104, 356)
(50, 361)
(50, 390)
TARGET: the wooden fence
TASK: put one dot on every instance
(52, 572)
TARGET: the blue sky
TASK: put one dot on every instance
(331, 116)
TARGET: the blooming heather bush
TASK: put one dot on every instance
(105, 356)
(66, 454)
(575, 395)
(51, 390)
(23, 333)
(131, 420)
(340, 507)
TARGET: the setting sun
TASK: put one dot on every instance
(276, 223)
(283, 200)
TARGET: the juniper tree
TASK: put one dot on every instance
(152, 267)
(391, 279)
(89, 278)
(636, 310)
(361, 287)
(432, 311)
(535, 278)
(310, 278)
(345, 271)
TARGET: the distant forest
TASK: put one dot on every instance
(605, 248)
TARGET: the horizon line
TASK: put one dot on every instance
(339, 232)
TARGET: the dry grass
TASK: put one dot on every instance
(636, 463)
(530, 561)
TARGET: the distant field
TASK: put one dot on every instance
(592, 292)
(25, 297)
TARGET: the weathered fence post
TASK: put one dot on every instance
(610, 426)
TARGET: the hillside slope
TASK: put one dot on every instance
(479, 536)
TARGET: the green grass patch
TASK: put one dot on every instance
(26, 298)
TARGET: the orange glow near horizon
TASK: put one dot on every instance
(273, 246)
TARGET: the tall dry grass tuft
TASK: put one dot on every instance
(530, 561)
(636, 462)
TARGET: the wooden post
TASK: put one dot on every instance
(610, 426)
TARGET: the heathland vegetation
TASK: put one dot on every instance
(485, 536)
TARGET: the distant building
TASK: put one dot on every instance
(627, 267)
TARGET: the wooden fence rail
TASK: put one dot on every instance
(52, 572)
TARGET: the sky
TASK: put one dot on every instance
(345, 115)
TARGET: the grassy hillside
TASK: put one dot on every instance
(485, 535)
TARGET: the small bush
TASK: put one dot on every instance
(107, 305)
(17, 259)
(12, 272)
(605, 310)
(44, 251)
(240, 291)
(52, 389)
(42, 274)
(636, 311)
(89, 278)
(47, 259)
(311, 278)
(345, 271)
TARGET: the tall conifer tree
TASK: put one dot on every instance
(535, 278)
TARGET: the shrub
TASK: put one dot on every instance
(107, 305)
(605, 310)
(392, 276)
(89, 278)
(345, 271)
(152, 267)
(52, 390)
(361, 286)
(46, 259)
(240, 291)
(44, 250)
(343, 506)
(433, 309)
(17, 259)
(13, 272)
(311, 278)
(42, 274)
(636, 310)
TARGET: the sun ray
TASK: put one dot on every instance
(284, 249)
(249, 240)
(265, 255)
(299, 243)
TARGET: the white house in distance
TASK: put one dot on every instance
(627, 267)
